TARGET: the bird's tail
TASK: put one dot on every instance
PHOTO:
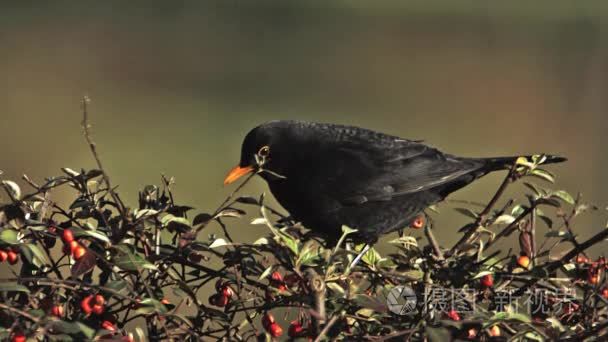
(501, 163)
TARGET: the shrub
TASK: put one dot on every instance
(101, 270)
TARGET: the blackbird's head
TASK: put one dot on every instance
(265, 150)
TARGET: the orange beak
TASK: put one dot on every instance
(236, 173)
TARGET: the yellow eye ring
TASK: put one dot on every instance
(264, 151)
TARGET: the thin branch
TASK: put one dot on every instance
(482, 218)
(93, 147)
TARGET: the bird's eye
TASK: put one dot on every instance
(264, 151)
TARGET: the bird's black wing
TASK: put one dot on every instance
(359, 170)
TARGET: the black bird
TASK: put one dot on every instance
(330, 175)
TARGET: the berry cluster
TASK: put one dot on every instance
(93, 304)
(71, 246)
(10, 255)
(271, 326)
(224, 293)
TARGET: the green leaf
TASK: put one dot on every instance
(437, 334)
(504, 219)
(70, 172)
(467, 212)
(247, 200)
(543, 174)
(335, 287)
(518, 210)
(178, 224)
(117, 285)
(79, 232)
(482, 274)
(150, 305)
(87, 331)
(288, 240)
(258, 221)
(4, 287)
(535, 188)
(376, 304)
(564, 196)
(218, 243)
(559, 233)
(371, 257)
(9, 236)
(507, 316)
(39, 258)
(12, 188)
(549, 201)
(556, 324)
(261, 241)
(145, 212)
(231, 212)
(202, 218)
(132, 261)
(266, 272)
(406, 241)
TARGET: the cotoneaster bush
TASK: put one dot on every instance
(103, 269)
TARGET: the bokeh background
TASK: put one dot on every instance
(176, 85)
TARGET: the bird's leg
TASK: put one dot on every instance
(358, 258)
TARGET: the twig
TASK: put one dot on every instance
(565, 259)
(433, 242)
(482, 218)
(20, 312)
(326, 328)
(92, 146)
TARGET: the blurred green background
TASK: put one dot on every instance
(176, 85)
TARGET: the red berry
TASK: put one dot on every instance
(295, 329)
(3, 255)
(275, 330)
(12, 257)
(67, 236)
(98, 309)
(108, 326)
(487, 280)
(227, 291)
(267, 320)
(57, 311)
(85, 304)
(276, 277)
(73, 245)
(471, 333)
(453, 315)
(418, 222)
(18, 337)
(494, 331)
(581, 259)
(605, 292)
(219, 299)
(523, 261)
(99, 299)
(165, 301)
(79, 252)
(593, 275)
